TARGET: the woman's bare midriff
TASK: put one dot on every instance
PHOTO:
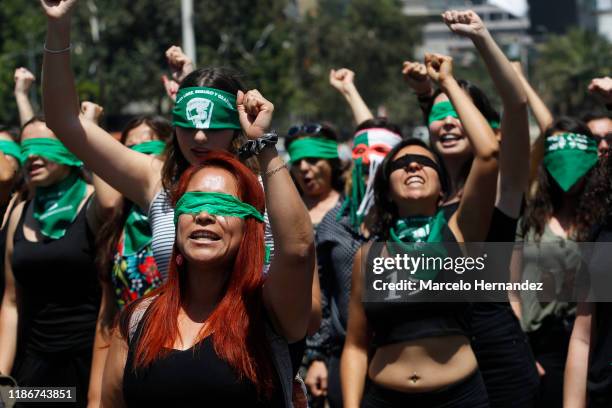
(423, 365)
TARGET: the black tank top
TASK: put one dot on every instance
(399, 321)
(196, 377)
(59, 287)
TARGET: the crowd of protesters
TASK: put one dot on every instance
(186, 263)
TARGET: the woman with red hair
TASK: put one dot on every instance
(217, 332)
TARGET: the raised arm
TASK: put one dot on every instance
(577, 365)
(180, 65)
(513, 179)
(343, 81)
(415, 75)
(135, 175)
(9, 310)
(537, 105)
(288, 289)
(471, 220)
(602, 88)
(23, 82)
(354, 361)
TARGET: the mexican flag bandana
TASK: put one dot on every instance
(370, 146)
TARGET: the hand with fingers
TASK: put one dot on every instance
(58, 9)
(255, 113)
(465, 23)
(316, 379)
(439, 67)
(415, 75)
(171, 87)
(91, 111)
(180, 64)
(602, 87)
(342, 79)
(23, 80)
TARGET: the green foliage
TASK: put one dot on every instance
(565, 66)
(286, 56)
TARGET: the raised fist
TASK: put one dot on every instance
(23, 80)
(180, 64)
(341, 79)
(439, 67)
(254, 112)
(57, 9)
(91, 111)
(171, 87)
(466, 23)
(602, 87)
(415, 75)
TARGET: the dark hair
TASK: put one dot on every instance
(338, 168)
(548, 196)
(483, 104)
(160, 126)
(594, 115)
(379, 122)
(225, 79)
(110, 231)
(384, 209)
(13, 131)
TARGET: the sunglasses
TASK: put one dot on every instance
(607, 138)
(309, 129)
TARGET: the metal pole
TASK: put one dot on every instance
(189, 45)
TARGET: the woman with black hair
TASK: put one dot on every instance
(417, 353)
(588, 370)
(501, 348)
(555, 218)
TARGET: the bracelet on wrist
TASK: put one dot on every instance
(254, 147)
(47, 50)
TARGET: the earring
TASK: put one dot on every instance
(179, 260)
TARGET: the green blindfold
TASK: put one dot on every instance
(442, 110)
(316, 147)
(11, 148)
(194, 202)
(155, 147)
(568, 157)
(50, 149)
(205, 108)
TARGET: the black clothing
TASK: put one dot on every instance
(59, 287)
(60, 298)
(467, 393)
(501, 347)
(196, 377)
(599, 386)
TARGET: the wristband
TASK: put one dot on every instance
(47, 50)
(254, 147)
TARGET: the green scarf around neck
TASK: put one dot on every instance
(568, 157)
(409, 232)
(137, 230)
(205, 108)
(57, 206)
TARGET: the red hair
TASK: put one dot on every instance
(237, 324)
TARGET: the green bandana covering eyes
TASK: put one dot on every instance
(316, 147)
(56, 207)
(11, 148)
(50, 149)
(442, 110)
(568, 157)
(408, 232)
(194, 202)
(155, 147)
(205, 108)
